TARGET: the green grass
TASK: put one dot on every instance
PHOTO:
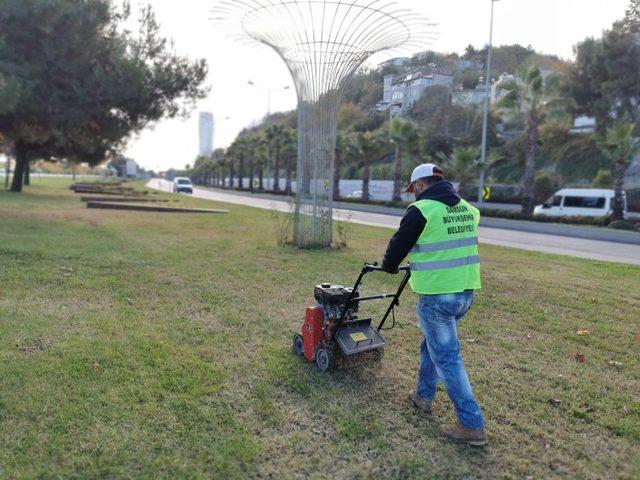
(150, 345)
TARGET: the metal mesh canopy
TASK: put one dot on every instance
(323, 42)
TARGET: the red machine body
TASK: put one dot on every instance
(312, 331)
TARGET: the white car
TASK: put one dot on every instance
(355, 194)
(583, 202)
(182, 185)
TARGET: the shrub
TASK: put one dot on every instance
(545, 186)
(622, 225)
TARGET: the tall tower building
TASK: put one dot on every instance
(206, 134)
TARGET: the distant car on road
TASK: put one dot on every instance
(583, 202)
(182, 185)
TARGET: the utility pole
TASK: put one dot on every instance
(485, 122)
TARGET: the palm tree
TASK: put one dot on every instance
(274, 138)
(404, 135)
(620, 146)
(462, 165)
(370, 147)
(289, 151)
(535, 98)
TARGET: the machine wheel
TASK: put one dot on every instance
(323, 360)
(298, 346)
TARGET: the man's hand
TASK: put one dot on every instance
(388, 269)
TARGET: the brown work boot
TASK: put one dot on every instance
(476, 438)
(419, 403)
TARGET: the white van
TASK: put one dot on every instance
(583, 202)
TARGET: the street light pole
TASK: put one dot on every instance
(268, 91)
(485, 122)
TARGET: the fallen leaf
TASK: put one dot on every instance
(555, 401)
(616, 364)
(128, 300)
(580, 358)
(66, 274)
(471, 340)
(582, 333)
(527, 335)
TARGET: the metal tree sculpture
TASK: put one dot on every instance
(323, 43)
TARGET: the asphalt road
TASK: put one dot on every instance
(539, 242)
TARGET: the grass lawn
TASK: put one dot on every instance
(151, 345)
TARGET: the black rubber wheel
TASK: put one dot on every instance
(323, 360)
(298, 346)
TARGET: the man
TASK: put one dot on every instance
(439, 231)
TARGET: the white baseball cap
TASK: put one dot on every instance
(424, 170)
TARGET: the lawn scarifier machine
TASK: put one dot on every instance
(332, 331)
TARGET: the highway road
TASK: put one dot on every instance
(539, 242)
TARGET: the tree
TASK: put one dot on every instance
(404, 135)
(605, 80)
(289, 154)
(81, 83)
(631, 21)
(534, 98)
(369, 147)
(462, 165)
(274, 139)
(620, 146)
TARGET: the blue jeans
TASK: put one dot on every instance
(440, 358)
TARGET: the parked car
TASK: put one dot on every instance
(583, 202)
(182, 185)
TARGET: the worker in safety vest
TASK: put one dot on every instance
(439, 232)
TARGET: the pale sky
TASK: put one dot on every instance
(550, 26)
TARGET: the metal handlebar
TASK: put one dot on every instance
(374, 267)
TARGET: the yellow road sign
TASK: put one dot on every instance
(486, 193)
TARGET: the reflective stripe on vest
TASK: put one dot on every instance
(447, 245)
(456, 262)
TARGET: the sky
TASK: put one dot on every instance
(549, 26)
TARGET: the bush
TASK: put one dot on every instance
(545, 186)
(512, 215)
(622, 225)
(603, 179)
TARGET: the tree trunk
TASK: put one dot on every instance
(231, 175)
(7, 172)
(619, 169)
(251, 177)
(336, 177)
(27, 174)
(276, 167)
(397, 175)
(287, 187)
(366, 174)
(261, 178)
(528, 180)
(241, 172)
(73, 171)
(18, 172)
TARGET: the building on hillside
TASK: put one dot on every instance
(584, 124)
(401, 92)
(206, 134)
(462, 65)
(476, 95)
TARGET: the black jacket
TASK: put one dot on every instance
(413, 224)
